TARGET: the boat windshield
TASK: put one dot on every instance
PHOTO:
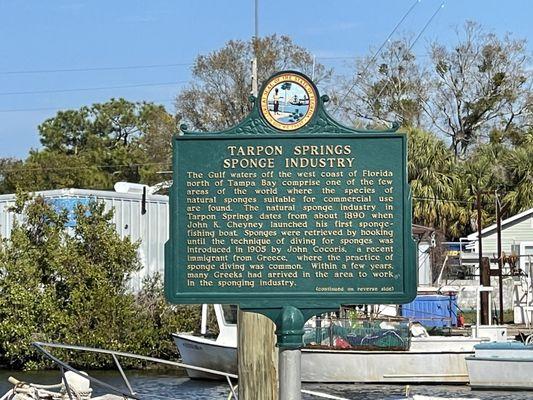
(230, 313)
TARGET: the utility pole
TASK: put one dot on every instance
(482, 268)
(500, 258)
(254, 77)
(257, 355)
(255, 39)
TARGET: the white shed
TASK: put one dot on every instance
(149, 224)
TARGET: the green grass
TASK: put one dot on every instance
(470, 317)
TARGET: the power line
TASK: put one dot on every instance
(360, 57)
(443, 200)
(90, 88)
(88, 69)
(441, 6)
(8, 110)
(374, 57)
(147, 66)
(23, 168)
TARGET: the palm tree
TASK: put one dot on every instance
(519, 166)
(433, 180)
(286, 86)
(482, 173)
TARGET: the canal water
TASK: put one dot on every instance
(175, 385)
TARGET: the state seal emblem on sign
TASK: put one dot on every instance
(288, 101)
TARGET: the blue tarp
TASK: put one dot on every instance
(69, 204)
(432, 310)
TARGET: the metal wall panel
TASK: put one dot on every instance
(150, 229)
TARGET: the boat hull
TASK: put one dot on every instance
(383, 366)
(335, 366)
(500, 373)
(506, 365)
(207, 355)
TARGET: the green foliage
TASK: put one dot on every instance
(96, 146)
(161, 319)
(69, 285)
(6, 166)
(433, 179)
(479, 83)
(519, 167)
(218, 97)
(445, 189)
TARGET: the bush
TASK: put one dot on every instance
(69, 285)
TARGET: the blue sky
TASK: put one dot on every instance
(57, 35)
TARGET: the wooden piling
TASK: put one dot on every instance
(257, 357)
(485, 281)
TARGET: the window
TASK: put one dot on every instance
(230, 314)
(526, 256)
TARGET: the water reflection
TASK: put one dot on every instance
(174, 384)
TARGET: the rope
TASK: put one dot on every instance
(26, 391)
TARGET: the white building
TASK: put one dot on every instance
(142, 218)
(517, 240)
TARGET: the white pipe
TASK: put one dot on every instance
(290, 382)
(203, 328)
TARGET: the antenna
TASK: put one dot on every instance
(254, 48)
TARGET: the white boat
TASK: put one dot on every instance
(498, 365)
(220, 352)
(429, 359)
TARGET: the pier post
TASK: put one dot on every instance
(257, 357)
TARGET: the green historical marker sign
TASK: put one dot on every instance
(290, 208)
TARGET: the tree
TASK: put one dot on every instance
(445, 190)
(433, 179)
(388, 88)
(70, 285)
(96, 146)
(218, 97)
(479, 84)
(63, 286)
(47, 169)
(6, 166)
(159, 129)
(519, 172)
(286, 86)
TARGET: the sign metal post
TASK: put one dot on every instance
(290, 214)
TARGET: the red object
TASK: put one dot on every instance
(460, 320)
(341, 343)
